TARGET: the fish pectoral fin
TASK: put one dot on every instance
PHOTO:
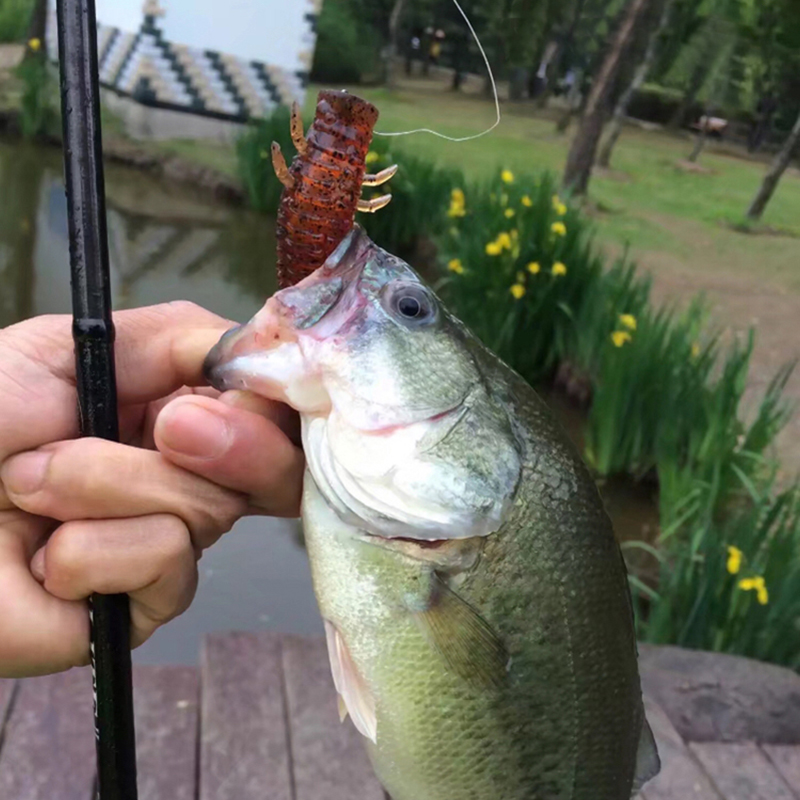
(465, 640)
(354, 694)
(648, 764)
(342, 707)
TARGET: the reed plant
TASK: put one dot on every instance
(730, 585)
(520, 264)
(651, 370)
(420, 194)
(616, 304)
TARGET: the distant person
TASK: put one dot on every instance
(413, 53)
(435, 52)
(79, 516)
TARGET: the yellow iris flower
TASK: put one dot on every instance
(734, 560)
(756, 585)
(456, 266)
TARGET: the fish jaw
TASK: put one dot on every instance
(264, 357)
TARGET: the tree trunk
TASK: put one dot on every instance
(639, 77)
(584, 147)
(574, 104)
(392, 49)
(696, 82)
(552, 52)
(565, 46)
(518, 83)
(772, 178)
(702, 138)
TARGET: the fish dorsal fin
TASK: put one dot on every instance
(648, 764)
(355, 697)
(466, 641)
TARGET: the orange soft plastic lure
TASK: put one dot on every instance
(322, 187)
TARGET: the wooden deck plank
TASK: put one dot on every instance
(49, 748)
(244, 753)
(166, 705)
(330, 761)
(742, 771)
(681, 777)
(786, 759)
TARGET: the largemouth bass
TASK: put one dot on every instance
(479, 621)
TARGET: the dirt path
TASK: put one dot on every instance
(739, 302)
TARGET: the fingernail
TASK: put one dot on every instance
(192, 430)
(37, 565)
(24, 474)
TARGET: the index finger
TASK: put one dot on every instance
(158, 350)
(162, 348)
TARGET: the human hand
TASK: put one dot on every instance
(79, 516)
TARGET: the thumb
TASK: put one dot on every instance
(236, 441)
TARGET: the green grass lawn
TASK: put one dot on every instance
(667, 215)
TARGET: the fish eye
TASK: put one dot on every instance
(410, 303)
(409, 307)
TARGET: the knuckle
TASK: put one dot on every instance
(175, 543)
(184, 308)
(77, 468)
(227, 511)
(64, 553)
(217, 515)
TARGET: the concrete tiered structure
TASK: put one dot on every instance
(147, 68)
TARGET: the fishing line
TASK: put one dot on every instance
(494, 92)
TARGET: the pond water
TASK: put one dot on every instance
(167, 243)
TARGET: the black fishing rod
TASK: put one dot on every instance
(93, 333)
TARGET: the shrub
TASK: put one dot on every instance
(38, 105)
(345, 47)
(14, 18)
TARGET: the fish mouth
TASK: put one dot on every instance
(267, 351)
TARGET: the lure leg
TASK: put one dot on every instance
(381, 177)
(279, 165)
(298, 134)
(371, 206)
